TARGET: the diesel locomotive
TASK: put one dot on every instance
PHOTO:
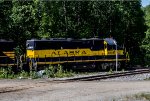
(95, 52)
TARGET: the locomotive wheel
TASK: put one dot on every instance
(104, 66)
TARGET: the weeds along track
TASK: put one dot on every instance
(106, 76)
(87, 78)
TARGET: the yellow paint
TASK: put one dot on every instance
(63, 53)
(105, 48)
(113, 52)
(30, 53)
(9, 54)
(8, 64)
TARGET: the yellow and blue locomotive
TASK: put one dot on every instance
(98, 52)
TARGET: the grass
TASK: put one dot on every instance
(57, 71)
(143, 96)
(136, 97)
(147, 78)
(6, 73)
(50, 72)
(110, 71)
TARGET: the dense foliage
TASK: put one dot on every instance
(122, 20)
(146, 41)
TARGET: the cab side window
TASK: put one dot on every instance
(97, 45)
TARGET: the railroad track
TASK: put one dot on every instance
(106, 76)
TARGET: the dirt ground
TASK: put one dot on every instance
(46, 90)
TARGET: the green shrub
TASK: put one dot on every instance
(143, 95)
(3, 73)
(7, 73)
(33, 75)
(57, 71)
(23, 74)
(50, 72)
(110, 71)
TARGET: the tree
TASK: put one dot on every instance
(23, 25)
(146, 41)
(5, 11)
(132, 29)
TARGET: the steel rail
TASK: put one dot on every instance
(106, 76)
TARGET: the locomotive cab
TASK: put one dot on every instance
(113, 49)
